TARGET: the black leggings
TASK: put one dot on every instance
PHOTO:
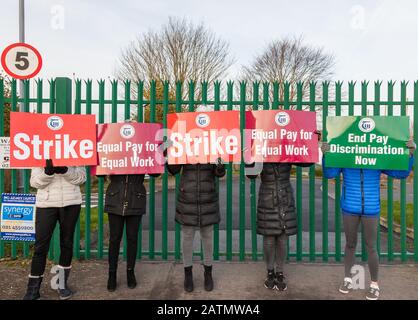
(46, 220)
(116, 224)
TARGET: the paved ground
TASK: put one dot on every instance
(233, 280)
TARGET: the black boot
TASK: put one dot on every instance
(208, 278)
(111, 281)
(130, 273)
(64, 291)
(32, 292)
(188, 279)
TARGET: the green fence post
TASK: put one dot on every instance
(312, 249)
(100, 180)
(126, 116)
(242, 174)
(325, 86)
(216, 105)
(164, 229)
(26, 172)
(63, 96)
(404, 256)
(338, 86)
(229, 169)
(299, 240)
(364, 85)
(14, 171)
(286, 106)
(390, 182)
(253, 193)
(140, 119)
(153, 106)
(87, 209)
(376, 111)
(177, 240)
(415, 173)
(77, 110)
(52, 84)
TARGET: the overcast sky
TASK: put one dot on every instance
(370, 39)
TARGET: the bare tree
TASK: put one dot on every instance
(180, 51)
(290, 60)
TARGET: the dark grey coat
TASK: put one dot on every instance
(276, 211)
(197, 202)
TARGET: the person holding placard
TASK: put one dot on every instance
(360, 204)
(58, 199)
(197, 209)
(276, 218)
(125, 203)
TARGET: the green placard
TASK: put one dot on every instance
(368, 142)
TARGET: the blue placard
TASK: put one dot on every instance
(17, 217)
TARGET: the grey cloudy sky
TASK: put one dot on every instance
(370, 39)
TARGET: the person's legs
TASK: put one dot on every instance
(280, 257)
(46, 220)
(269, 243)
(351, 224)
(132, 228)
(188, 234)
(370, 225)
(68, 217)
(116, 223)
(281, 251)
(206, 234)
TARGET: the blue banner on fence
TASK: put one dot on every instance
(18, 217)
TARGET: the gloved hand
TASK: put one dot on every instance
(49, 167)
(319, 133)
(325, 147)
(411, 146)
(60, 170)
(219, 164)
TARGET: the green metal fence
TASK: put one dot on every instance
(313, 242)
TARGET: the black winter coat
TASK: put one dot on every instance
(126, 195)
(276, 204)
(197, 202)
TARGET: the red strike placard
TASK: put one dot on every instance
(129, 148)
(203, 137)
(69, 140)
(281, 136)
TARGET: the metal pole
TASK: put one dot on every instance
(21, 85)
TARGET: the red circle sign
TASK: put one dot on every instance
(21, 61)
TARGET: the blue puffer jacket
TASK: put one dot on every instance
(360, 193)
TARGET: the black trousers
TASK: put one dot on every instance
(46, 220)
(116, 224)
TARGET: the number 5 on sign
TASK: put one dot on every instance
(21, 61)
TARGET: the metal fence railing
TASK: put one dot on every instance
(317, 199)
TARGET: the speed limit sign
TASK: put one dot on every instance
(21, 61)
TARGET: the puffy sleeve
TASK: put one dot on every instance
(75, 175)
(400, 174)
(38, 178)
